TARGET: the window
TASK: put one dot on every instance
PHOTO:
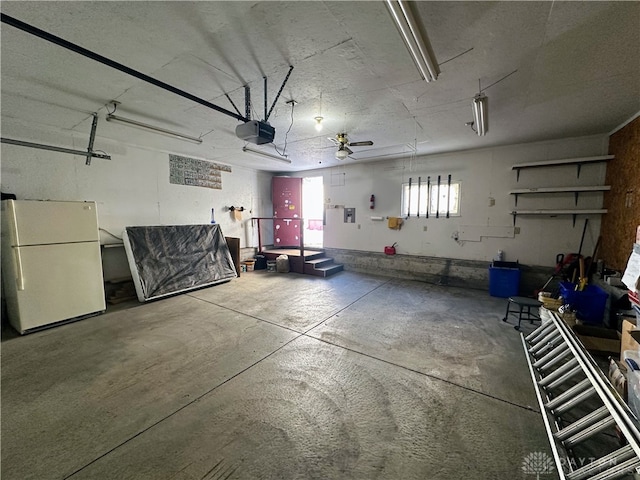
(437, 200)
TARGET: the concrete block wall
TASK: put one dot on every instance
(441, 271)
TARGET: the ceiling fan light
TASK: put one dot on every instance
(341, 154)
(319, 123)
(480, 106)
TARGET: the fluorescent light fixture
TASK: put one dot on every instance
(417, 42)
(318, 123)
(181, 136)
(480, 111)
(265, 154)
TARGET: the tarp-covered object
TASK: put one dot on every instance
(176, 258)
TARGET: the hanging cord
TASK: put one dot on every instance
(284, 150)
(115, 107)
(486, 88)
(109, 233)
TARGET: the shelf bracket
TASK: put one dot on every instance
(579, 166)
(514, 218)
(516, 195)
(517, 174)
(576, 195)
(574, 219)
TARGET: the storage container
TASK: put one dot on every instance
(633, 382)
(261, 262)
(250, 264)
(282, 264)
(271, 265)
(588, 304)
(504, 279)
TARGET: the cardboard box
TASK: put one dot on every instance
(626, 341)
(598, 339)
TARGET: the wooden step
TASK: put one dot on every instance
(322, 267)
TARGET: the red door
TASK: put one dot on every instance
(286, 194)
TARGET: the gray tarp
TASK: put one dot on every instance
(176, 258)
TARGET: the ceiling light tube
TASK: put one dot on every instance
(181, 136)
(266, 154)
(417, 43)
(480, 111)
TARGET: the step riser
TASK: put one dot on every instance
(325, 273)
(322, 267)
(324, 262)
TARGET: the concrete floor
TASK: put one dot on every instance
(276, 376)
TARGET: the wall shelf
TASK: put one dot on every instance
(555, 212)
(575, 190)
(565, 161)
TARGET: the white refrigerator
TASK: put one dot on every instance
(51, 264)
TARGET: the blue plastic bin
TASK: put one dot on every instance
(504, 279)
(589, 304)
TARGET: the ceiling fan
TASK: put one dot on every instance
(342, 142)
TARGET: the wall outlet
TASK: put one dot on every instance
(358, 226)
(492, 201)
(516, 230)
(424, 229)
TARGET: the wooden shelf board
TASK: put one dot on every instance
(564, 161)
(594, 188)
(560, 212)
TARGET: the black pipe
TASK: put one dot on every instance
(448, 194)
(428, 194)
(419, 180)
(25, 27)
(409, 203)
(438, 200)
(265, 98)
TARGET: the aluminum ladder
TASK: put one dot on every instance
(565, 376)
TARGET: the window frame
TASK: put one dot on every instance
(429, 205)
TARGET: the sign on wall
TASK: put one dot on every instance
(196, 173)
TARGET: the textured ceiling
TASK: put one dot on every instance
(578, 73)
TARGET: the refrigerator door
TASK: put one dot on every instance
(33, 222)
(52, 283)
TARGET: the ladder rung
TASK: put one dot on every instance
(569, 394)
(582, 423)
(548, 340)
(565, 377)
(574, 401)
(543, 382)
(589, 432)
(550, 355)
(561, 356)
(545, 327)
(617, 471)
(614, 458)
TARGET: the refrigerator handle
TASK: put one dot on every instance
(20, 274)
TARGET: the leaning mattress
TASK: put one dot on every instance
(169, 259)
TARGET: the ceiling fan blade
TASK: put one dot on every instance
(360, 144)
(334, 141)
(346, 149)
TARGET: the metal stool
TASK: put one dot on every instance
(522, 303)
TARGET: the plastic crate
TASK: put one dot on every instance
(589, 303)
(504, 282)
